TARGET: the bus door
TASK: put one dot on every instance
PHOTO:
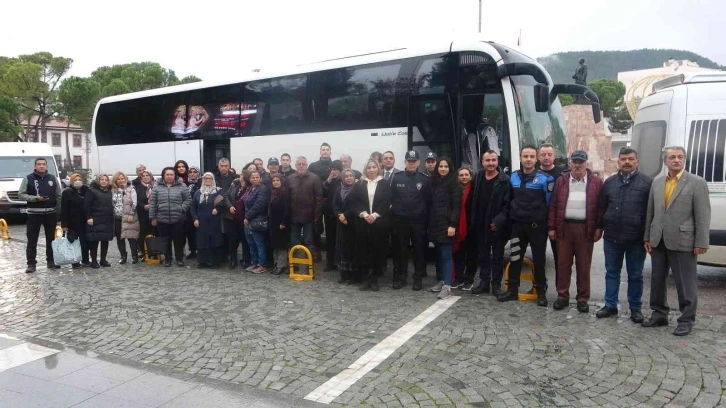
(431, 126)
(212, 151)
(482, 127)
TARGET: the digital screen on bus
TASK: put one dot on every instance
(213, 121)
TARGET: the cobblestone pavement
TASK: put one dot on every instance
(271, 333)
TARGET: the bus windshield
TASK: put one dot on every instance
(17, 167)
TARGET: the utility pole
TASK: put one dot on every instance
(479, 16)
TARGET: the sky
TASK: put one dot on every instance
(218, 40)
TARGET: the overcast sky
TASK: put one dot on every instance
(215, 39)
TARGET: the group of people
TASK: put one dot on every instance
(367, 215)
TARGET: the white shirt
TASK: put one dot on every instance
(372, 184)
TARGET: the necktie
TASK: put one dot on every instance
(388, 175)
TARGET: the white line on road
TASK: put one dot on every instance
(337, 385)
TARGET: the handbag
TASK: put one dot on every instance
(259, 224)
(156, 245)
(66, 252)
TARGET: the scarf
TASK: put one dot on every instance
(189, 178)
(462, 229)
(205, 190)
(346, 189)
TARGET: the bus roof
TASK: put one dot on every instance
(341, 62)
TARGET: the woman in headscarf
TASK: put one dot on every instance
(345, 237)
(73, 219)
(193, 182)
(279, 215)
(143, 192)
(371, 205)
(206, 211)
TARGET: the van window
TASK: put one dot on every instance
(648, 140)
(705, 147)
(21, 166)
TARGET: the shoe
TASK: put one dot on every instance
(398, 285)
(482, 287)
(467, 287)
(202, 266)
(76, 266)
(636, 316)
(85, 263)
(374, 285)
(561, 304)
(682, 330)
(437, 287)
(365, 285)
(214, 266)
(51, 265)
(508, 295)
(655, 322)
(95, 265)
(259, 269)
(167, 263)
(122, 260)
(444, 293)
(457, 284)
(280, 271)
(104, 263)
(583, 307)
(245, 265)
(179, 263)
(329, 268)
(30, 269)
(608, 312)
(134, 259)
(496, 290)
(192, 255)
(541, 300)
(251, 268)
(417, 284)
(232, 264)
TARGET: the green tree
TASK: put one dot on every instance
(565, 99)
(189, 79)
(77, 98)
(136, 76)
(9, 111)
(620, 120)
(610, 92)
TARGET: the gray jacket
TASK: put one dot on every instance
(169, 205)
(686, 222)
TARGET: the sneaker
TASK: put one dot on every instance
(251, 268)
(444, 293)
(467, 286)
(437, 287)
(167, 263)
(180, 263)
(457, 284)
(259, 269)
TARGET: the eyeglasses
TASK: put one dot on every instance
(208, 178)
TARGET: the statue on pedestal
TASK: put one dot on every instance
(580, 78)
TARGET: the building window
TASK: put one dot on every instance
(56, 139)
(77, 162)
(58, 160)
(77, 140)
(44, 138)
(32, 137)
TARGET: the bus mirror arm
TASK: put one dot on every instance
(574, 89)
(522, 68)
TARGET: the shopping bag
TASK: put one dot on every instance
(66, 252)
(156, 245)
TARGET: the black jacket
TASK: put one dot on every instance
(279, 214)
(256, 202)
(381, 205)
(497, 211)
(445, 209)
(98, 205)
(142, 201)
(73, 216)
(321, 168)
(623, 207)
(411, 196)
(330, 190)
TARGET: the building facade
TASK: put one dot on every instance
(71, 152)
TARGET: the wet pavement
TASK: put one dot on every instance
(264, 332)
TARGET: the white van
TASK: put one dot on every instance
(17, 160)
(689, 110)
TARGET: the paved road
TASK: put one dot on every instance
(271, 333)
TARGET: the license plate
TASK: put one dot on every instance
(23, 211)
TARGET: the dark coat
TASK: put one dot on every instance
(445, 209)
(321, 168)
(256, 202)
(497, 212)
(345, 236)
(306, 197)
(98, 205)
(330, 190)
(232, 194)
(142, 200)
(73, 216)
(558, 205)
(279, 214)
(209, 233)
(371, 239)
(623, 207)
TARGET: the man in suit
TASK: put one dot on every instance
(676, 231)
(389, 160)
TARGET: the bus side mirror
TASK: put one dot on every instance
(596, 112)
(541, 97)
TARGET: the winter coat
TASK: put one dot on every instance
(497, 211)
(231, 195)
(73, 216)
(256, 202)
(330, 190)
(306, 197)
(279, 214)
(98, 205)
(345, 233)
(558, 205)
(445, 210)
(169, 204)
(129, 229)
(209, 233)
(623, 207)
(367, 235)
(321, 168)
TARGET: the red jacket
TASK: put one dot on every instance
(558, 205)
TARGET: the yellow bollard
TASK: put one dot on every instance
(4, 230)
(524, 276)
(58, 232)
(156, 259)
(308, 261)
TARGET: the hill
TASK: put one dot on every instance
(607, 64)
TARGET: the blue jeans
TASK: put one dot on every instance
(445, 261)
(258, 252)
(634, 254)
(307, 234)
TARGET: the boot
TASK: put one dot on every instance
(374, 283)
(123, 259)
(134, 259)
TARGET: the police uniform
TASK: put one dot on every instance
(410, 203)
(528, 213)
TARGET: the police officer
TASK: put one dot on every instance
(411, 200)
(531, 191)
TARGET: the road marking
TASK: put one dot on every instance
(21, 354)
(337, 385)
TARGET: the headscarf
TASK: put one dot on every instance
(378, 166)
(346, 189)
(205, 190)
(191, 180)
(276, 192)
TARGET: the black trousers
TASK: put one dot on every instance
(534, 234)
(191, 234)
(175, 232)
(331, 235)
(465, 261)
(32, 227)
(235, 232)
(491, 262)
(93, 248)
(395, 249)
(120, 241)
(413, 234)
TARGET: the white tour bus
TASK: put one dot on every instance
(689, 110)
(454, 98)
(17, 160)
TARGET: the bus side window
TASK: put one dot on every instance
(285, 108)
